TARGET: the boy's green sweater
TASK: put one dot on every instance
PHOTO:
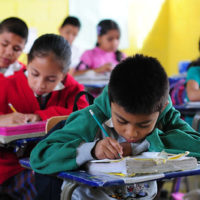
(58, 151)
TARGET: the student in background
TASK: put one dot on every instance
(105, 55)
(193, 84)
(69, 30)
(44, 90)
(135, 123)
(13, 37)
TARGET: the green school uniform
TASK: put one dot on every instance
(58, 151)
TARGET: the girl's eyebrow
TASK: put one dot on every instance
(50, 76)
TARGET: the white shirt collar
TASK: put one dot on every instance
(12, 68)
(109, 123)
(59, 86)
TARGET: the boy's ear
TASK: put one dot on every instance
(165, 105)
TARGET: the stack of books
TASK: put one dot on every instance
(146, 163)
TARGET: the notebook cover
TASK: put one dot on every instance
(23, 129)
(29, 130)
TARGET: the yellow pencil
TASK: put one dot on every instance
(12, 107)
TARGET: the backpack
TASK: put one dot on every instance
(178, 91)
(61, 123)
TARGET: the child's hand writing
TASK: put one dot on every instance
(104, 68)
(33, 118)
(12, 119)
(108, 148)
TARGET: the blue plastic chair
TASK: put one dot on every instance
(182, 66)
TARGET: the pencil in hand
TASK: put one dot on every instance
(12, 107)
(101, 127)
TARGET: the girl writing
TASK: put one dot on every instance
(38, 93)
(105, 55)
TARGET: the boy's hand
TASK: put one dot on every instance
(104, 68)
(108, 148)
(127, 149)
(12, 119)
(32, 118)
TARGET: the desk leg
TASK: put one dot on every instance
(67, 190)
(160, 186)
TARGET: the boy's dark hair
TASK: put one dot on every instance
(103, 27)
(16, 26)
(139, 84)
(72, 21)
(194, 63)
(52, 43)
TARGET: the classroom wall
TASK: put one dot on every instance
(44, 16)
(171, 35)
(174, 35)
(184, 31)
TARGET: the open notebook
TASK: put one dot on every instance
(146, 163)
(29, 130)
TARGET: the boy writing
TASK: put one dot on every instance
(137, 114)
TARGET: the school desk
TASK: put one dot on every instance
(104, 180)
(92, 79)
(183, 66)
(87, 81)
(190, 108)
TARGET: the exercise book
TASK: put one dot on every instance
(145, 163)
(29, 130)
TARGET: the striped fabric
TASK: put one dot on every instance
(19, 187)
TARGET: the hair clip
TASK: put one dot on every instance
(99, 30)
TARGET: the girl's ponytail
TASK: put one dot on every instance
(118, 55)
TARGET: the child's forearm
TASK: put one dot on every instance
(80, 72)
(193, 95)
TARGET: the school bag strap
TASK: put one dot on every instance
(89, 97)
(59, 121)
